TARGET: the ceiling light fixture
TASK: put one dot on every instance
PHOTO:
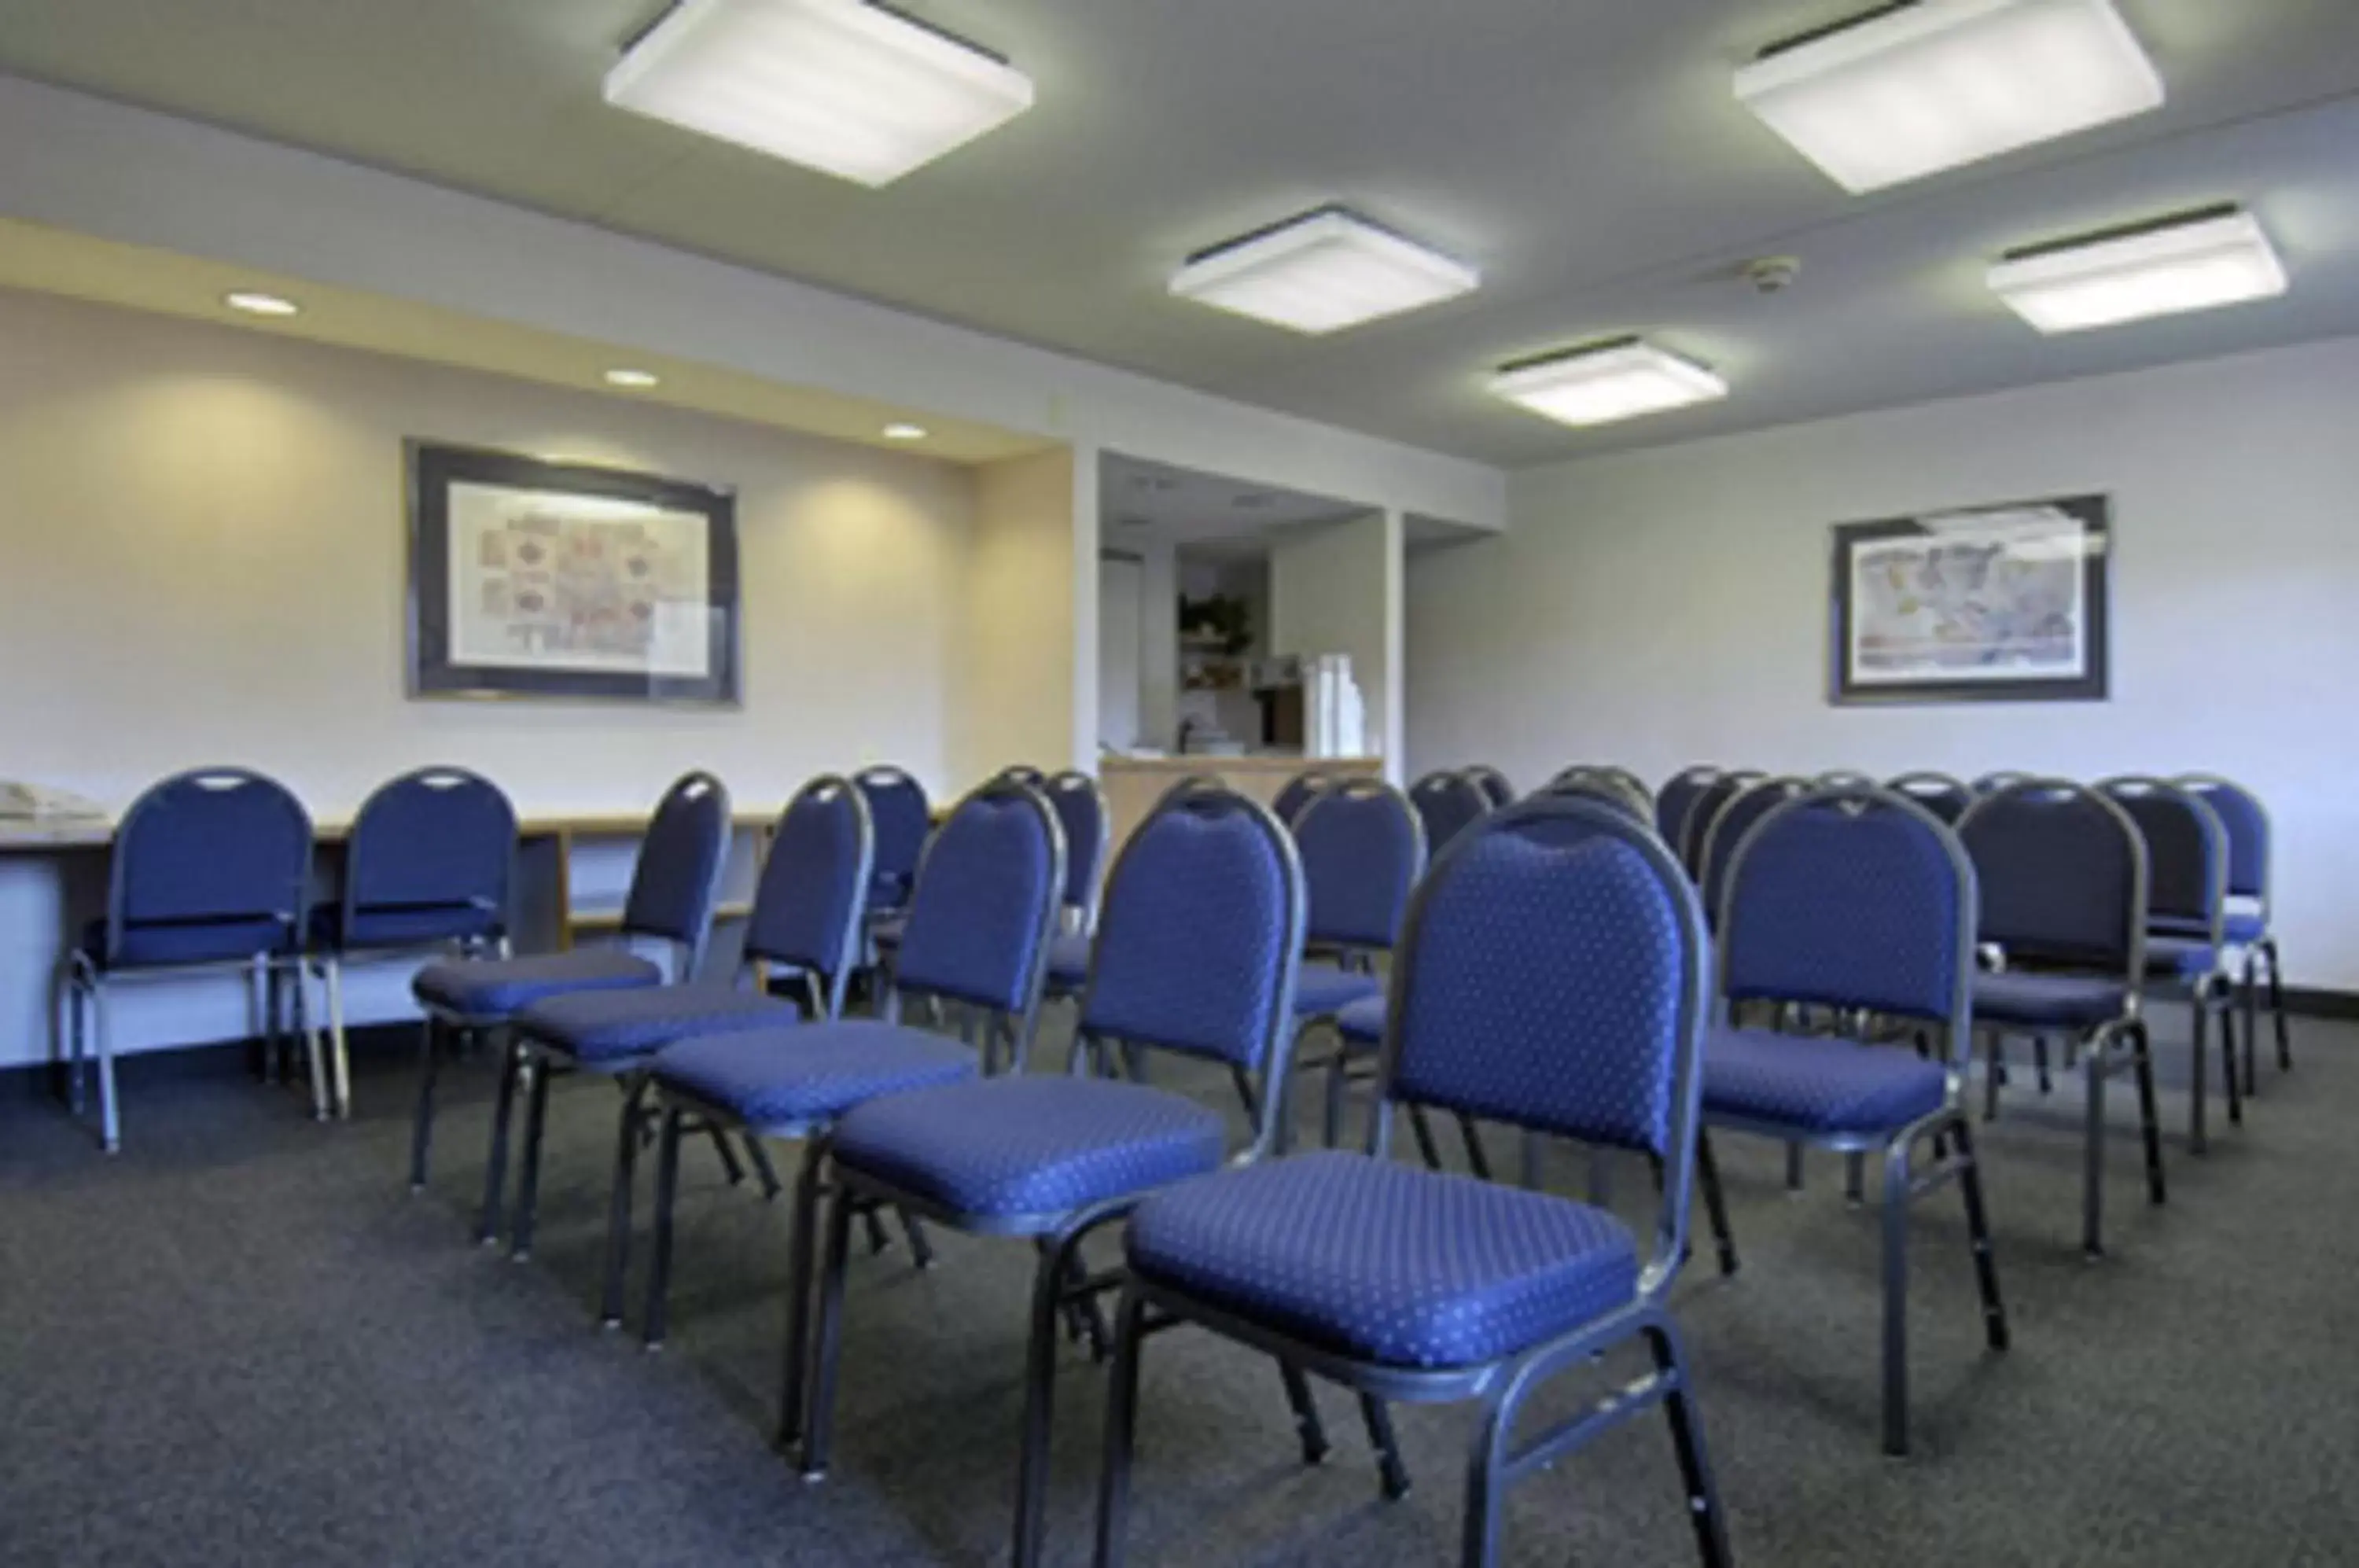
(2192, 261)
(1321, 272)
(849, 88)
(637, 379)
(253, 302)
(901, 429)
(1925, 85)
(1599, 383)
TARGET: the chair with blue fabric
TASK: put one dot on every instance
(1495, 786)
(2061, 871)
(1677, 798)
(669, 905)
(1195, 959)
(1406, 1284)
(1080, 810)
(1299, 792)
(1729, 826)
(1615, 785)
(902, 817)
(1695, 833)
(211, 870)
(1855, 900)
(1939, 793)
(2246, 924)
(2004, 779)
(1448, 802)
(2186, 945)
(427, 868)
(986, 900)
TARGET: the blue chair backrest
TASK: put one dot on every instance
(808, 906)
(1080, 810)
(2186, 851)
(1695, 836)
(985, 904)
(1552, 974)
(1611, 785)
(1297, 794)
(1851, 897)
(429, 849)
(1493, 784)
(2005, 778)
(677, 878)
(2246, 821)
(1939, 793)
(223, 848)
(1728, 829)
(1677, 798)
(1202, 933)
(1362, 850)
(2061, 874)
(1023, 773)
(1448, 802)
(902, 817)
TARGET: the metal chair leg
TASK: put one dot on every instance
(1715, 1202)
(921, 1251)
(1392, 1476)
(2039, 1062)
(1895, 1299)
(2097, 1060)
(110, 1125)
(2228, 1074)
(765, 1172)
(1970, 1184)
(2198, 1139)
(818, 1424)
(421, 1126)
(1430, 1150)
(1477, 1160)
(1333, 1123)
(1687, 1441)
(625, 1186)
(1050, 1282)
(1306, 1424)
(798, 1293)
(2149, 1117)
(535, 1123)
(1121, 1431)
(1793, 1167)
(1993, 1071)
(2248, 999)
(496, 1166)
(2278, 1005)
(315, 1058)
(1486, 1485)
(658, 1314)
(1855, 1179)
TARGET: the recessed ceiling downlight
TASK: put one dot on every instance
(254, 302)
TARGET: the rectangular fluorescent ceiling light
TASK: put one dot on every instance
(843, 86)
(2194, 262)
(1919, 87)
(1606, 382)
(1322, 272)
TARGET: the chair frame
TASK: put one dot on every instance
(1060, 1281)
(2099, 1043)
(1695, 828)
(1698, 776)
(1506, 1383)
(2263, 950)
(1604, 781)
(1906, 786)
(1947, 1127)
(86, 1028)
(1082, 917)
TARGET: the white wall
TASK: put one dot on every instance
(1159, 709)
(1338, 589)
(1671, 606)
(1023, 644)
(204, 539)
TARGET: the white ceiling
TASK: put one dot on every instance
(1142, 502)
(1587, 154)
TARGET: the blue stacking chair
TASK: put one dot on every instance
(2186, 945)
(1080, 810)
(902, 817)
(1196, 957)
(2246, 924)
(426, 869)
(1448, 802)
(1695, 832)
(1729, 826)
(1677, 798)
(1853, 899)
(986, 902)
(1299, 792)
(211, 870)
(1614, 786)
(1939, 793)
(1494, 785)
(2004, 779)
(2062, 875)
(673, 887)
(1406, 1284)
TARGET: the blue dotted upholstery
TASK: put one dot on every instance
(1080, 813)
(813, 881)
(1363, 1023)
(1675, 800)
(1299, 792)
(1015, 1147)
(809, 1074)
(1848, 905)
(2186, 957)
(597, 1026)
(2057, 873)
(429, 861)
(1695, 835)
(1194, 947)
(1544, 988)
(2246, 827)
(2051, 1001)
(1817, 1085)
(901, 818)
(2182, 851)
(679, 870)
(1361, 855)
(495, 988)
(1385, 1262)
(1322, 989)
(986, 895)
(1718, 853)
(209, 866)
(1447, 805)
(2245, 927)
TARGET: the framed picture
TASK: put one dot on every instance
(533, 579)
(1994, 603)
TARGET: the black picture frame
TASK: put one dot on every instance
(2090, 684)
(433, 468)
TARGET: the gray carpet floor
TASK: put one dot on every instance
(243, 1341)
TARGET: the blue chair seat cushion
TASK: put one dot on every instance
(1817, 1085)
(2030, 1000)
(163, 942)
(1362, 1022)
(1387, 1262)
(1068, 962)
(495, 988)
(615, 1025)
(408, 925)
(2187, 957)
(1010, 1148)
(2246, 927)
(1321, 989)
(804, 1075)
